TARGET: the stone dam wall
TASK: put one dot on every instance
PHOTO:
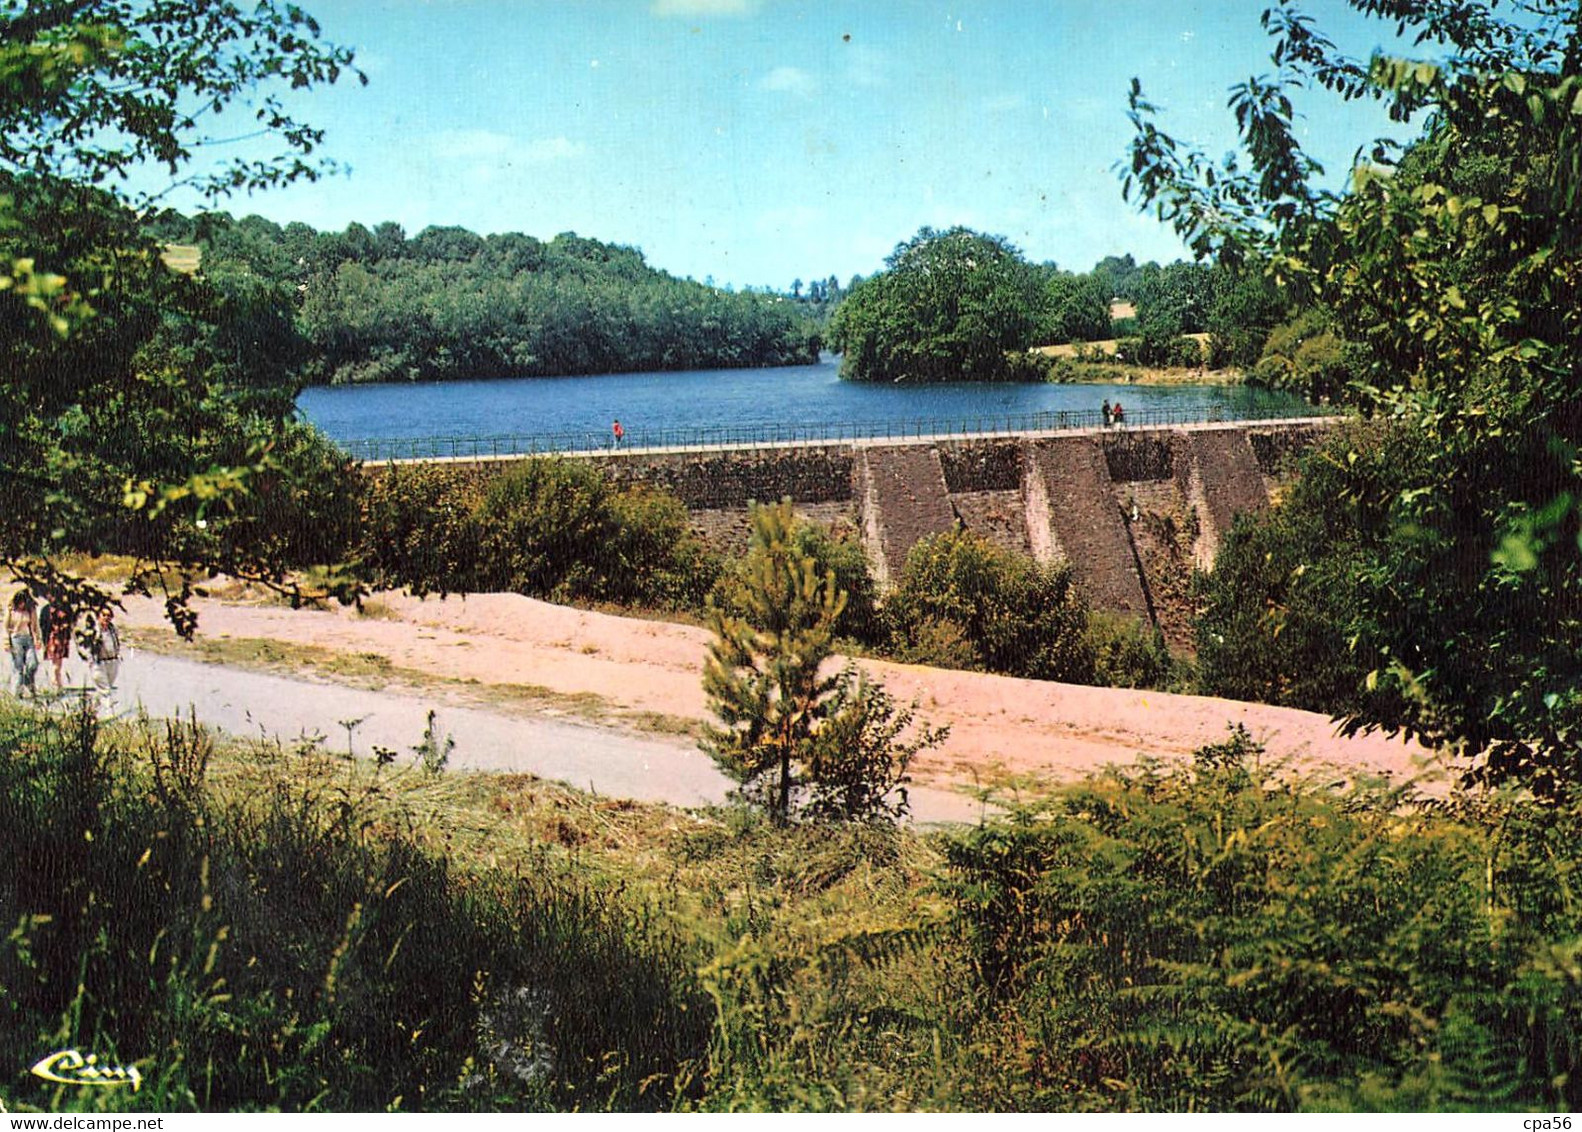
(1133, 511)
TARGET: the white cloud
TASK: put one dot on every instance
(457, 144)
(1005, 103)
(690, 9)
(791, 80)
(545, 150)
(487, 147)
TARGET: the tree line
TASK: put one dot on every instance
(374, 305)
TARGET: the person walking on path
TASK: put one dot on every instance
(21, 630)
(1107, 412)
(57, 622)
(618, 433)
(106, 652)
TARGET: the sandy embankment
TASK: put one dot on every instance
(997, 724)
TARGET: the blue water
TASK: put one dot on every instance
(650, 403)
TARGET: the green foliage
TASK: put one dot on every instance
(1175, 299)
(1218, 937)
(1307, 355)
(1127, 653)
(1160, 348)
(447, 304)
(106, 86)
(1454, 274)
(558, 529)
(800, 741)
(762, 675)
(1076, 308)
(1246, 309)
(547, 529)
(660, 562)
(551, 528)
(298, 951)
(148, 413)
(419, 529)
(838, 554)
(948, 307)
(961, 598)
(861, 755)
(1280, 618)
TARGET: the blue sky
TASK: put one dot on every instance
(758, 141)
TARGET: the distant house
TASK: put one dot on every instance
(1120, 308)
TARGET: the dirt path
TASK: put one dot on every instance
(999, 725)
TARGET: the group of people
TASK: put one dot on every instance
(33, 631)
(1113, 414)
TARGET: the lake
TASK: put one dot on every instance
(701, 405)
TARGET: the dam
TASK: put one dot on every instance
(1134, 511)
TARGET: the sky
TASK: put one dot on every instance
(755, 142)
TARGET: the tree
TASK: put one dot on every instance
(1246, 308)
(797, 738)
(1077, 308)
(132, 416)
(1460, 290)
(947, 307)
(762, 676)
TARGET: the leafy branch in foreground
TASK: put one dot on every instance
(1453, 266)
(145, 412)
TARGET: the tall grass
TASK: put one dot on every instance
(299, 949)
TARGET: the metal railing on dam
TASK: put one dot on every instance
(704, 437)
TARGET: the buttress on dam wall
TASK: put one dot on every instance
(1132, 511)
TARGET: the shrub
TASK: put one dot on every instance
(548, 527)
(1019, 618)
(304, 507)
(1028, 365)
(1127, 653)
(557, 529)
(1185, 353)
(659, 561)
(1280, 618)
(420, 530)
(1215, 937)
(296, 948)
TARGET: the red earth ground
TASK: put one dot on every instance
(998, 725)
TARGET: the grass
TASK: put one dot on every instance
(183, 258)
(275, 926)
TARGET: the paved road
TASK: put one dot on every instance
(606, 761)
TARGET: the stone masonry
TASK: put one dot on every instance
(1220, 478)
(1072, 479)
(1087, 498)
(901, 500)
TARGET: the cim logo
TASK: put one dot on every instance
(68, 1067)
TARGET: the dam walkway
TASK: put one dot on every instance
(640, 440)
